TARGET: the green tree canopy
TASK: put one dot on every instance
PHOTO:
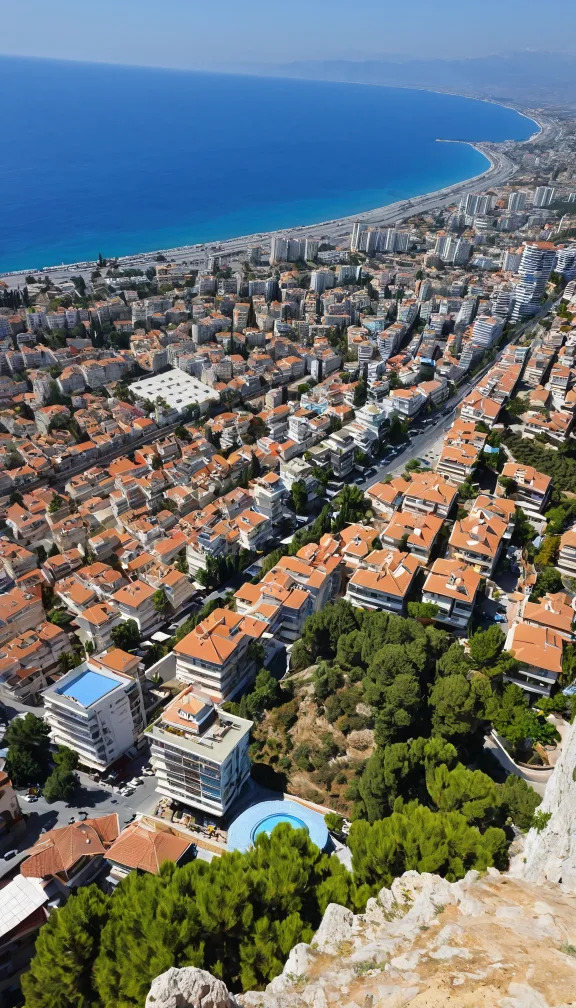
(486, 646)
(454, 707)
(419, 839)
(60, 975)
(126, 635)
(60, 785)
(28, 741)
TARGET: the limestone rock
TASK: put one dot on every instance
(189, 988)
(491, 941)
(336, 927)
(550, 856)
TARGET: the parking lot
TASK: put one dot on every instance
(91, 799)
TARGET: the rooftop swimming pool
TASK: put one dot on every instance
(88, 687)
(265, 816)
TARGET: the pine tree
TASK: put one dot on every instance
(60, 975)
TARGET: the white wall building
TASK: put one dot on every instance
(98, 714)
(200, 753)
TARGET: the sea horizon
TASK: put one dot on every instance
(149, 158)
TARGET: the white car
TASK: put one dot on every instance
(127, 791)
(29, 798)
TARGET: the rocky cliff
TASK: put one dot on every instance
(550, 856)
(484, 942)
(491, 941)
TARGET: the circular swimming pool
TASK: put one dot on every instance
(265, 816)
(267, 825)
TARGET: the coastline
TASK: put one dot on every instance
(500, 169)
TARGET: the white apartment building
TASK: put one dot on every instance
(543, 196)
(200, 753)
(214, 657)
(486, 330)
(536, 265)
(341, 447)
(97, 713)
(516, 201)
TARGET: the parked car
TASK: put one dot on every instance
(500, 618)
(29, 798)
(9, 854)
(359, 480)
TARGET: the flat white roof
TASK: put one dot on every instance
(176, 387)
(20, 898)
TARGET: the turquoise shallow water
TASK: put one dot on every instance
(117, 160)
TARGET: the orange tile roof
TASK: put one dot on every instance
(478, 533)
(453, 579)
(553, 610)
(144, 849)
(526, 475)
(538, 646)
(58, 850)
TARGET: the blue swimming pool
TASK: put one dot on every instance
(268, 824)
(88, 687)
(265, 816)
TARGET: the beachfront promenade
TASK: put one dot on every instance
(501, 169)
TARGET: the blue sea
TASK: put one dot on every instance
(114, 159)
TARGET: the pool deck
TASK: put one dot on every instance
(242, 830)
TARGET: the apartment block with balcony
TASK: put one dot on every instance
(96, 623)
(429, 493)
(567, 553)
(383, 582)
(488, 506)
(269, 494)
(28, 660)
(477, 540)
(26, 528)
(530, 488)
(16, 559)
(457, 463)
(417, 533)
(97, 713)
(176, 586)
(341, 447)
(254, 530)
(215, 656)
(453, 587)
(200, 753)
(539, 649)
(19, 611)
(553, 610)
(136, 601)
(476, 407)
(386, 498)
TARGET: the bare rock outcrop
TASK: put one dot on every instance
(488, 941)
(550, 855)
(189, 988)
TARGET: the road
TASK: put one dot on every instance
(95, 799)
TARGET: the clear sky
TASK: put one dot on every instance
(198, 34)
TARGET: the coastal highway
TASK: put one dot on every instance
(501, 169)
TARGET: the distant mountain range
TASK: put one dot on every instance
(530, 78)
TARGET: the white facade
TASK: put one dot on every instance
(200, 753)
(97, 714)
